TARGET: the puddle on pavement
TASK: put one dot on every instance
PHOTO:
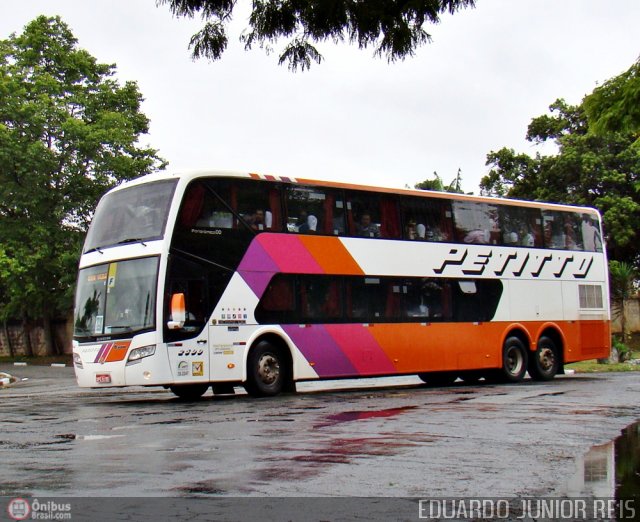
(611, 469)
(349, 416)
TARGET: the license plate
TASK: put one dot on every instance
(104, 378)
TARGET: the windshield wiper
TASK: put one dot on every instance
(132, 240)
(121, 327)
(95, 249)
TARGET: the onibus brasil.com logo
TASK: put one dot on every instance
(22, 509)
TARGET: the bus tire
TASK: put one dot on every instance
(189, 392)
(267, 370)
(546, 360)
(438, 378)
(514, 360)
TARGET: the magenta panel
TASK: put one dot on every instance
(361, 348)
(288, 252)
(318, 347)
(257, 259)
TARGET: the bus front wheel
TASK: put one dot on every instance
(546, 362)
(267, 370)
(514, 360)
(189, 392)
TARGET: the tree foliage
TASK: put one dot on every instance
(598, 170)
(438, 185)
(394, 27)
(615, 105)
(68, 132)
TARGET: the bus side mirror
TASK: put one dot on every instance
(178, 312)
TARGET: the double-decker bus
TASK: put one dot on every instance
(222, 279)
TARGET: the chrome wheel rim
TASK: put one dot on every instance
(268, 369)
(546, 359)
(514, 361)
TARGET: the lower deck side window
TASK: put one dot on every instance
(301, 298)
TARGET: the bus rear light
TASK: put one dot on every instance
(77, 360)
(140, 353)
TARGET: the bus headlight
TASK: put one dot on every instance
(77, 360)
(140, 353)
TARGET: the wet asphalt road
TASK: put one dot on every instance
(383, 437)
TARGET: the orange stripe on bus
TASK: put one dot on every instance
(331, 255)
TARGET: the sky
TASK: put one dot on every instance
(355, 118)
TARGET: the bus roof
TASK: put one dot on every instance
(196, 174)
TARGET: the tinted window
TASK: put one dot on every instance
(476, 223)
(373, 215)
(521, 226)
(231, 204)
(427, 299)
(562, 230)
(291, 298)
(426, 219)
(315, 211)
(131, 214)
(591, 236)
(320, 296)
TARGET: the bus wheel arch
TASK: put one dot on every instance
(546, 359)
(269, 367)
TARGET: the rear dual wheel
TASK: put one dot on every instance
(545, 363)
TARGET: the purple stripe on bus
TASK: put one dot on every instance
(289, 253)
(362, 349)
(257, 281)
(100, 353)
(319, 348)
(257, 259)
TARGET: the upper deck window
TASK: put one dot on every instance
(133, 214)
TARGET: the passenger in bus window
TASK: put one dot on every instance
(477, 237)
(571, 241)
(411, 232)
(257, 220)
(365, 228)
(590, 235)
(510, 239)
(528, 239)
(301, 224)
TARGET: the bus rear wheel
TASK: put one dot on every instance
(189, 392)
(546, 361)
(267, 370)
(514, 361)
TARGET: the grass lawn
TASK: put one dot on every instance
(594, 366)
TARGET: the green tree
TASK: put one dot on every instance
(437, 184)
(395, 28)
(598, 170)
(622, 280)
(615, 105)
(68, 132)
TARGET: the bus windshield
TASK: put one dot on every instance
(116, 298)
(133, 214)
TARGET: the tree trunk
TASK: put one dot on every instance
(49, 346)
(8, 338)
(26, 329)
